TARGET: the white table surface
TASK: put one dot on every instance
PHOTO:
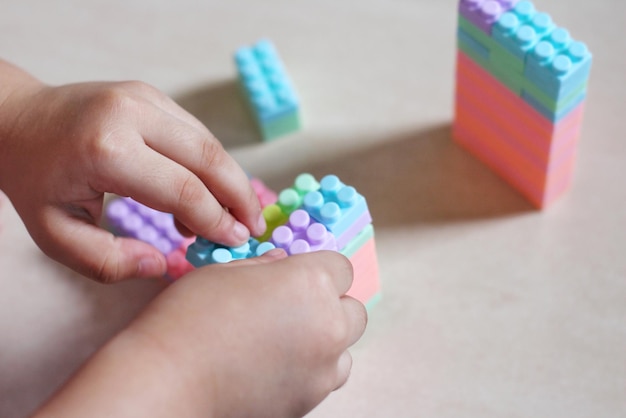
(490, 308)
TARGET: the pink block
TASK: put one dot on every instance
(366, 282)
(266, 195)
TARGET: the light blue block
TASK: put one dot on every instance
(335, 205)
(521, 28)
(265, 81)
(204, 252)
(554, 117)
(558, 72)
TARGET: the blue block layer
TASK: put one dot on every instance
(469, 41)
(204, 252)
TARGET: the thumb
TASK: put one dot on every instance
(97, 253)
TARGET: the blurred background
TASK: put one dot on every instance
(490, 308)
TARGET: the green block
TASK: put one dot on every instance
(358, 241)
(548, 102)
(505, 60)
(513, 80)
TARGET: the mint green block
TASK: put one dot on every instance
(280, 126)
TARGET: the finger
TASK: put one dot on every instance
(200, 152)
(95, 252)
(337, 267)
(355, 317)
(184, 231)
(140, 172)
(157, 98)
(344, 366)
(272, 255)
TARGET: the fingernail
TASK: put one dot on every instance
(241, 232)
(151, 266)
(261, 225)
(275, 253)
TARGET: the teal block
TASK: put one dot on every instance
(475, 33)
(478, 48)
(474, 54)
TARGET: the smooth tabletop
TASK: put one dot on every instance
(490, 308)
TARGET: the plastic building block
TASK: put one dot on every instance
(558, 72)
(177, 264)
(132, 219)
(274, 217)
(268, 89)
(520, 121)
(302, 235)
(335, 205)
(366, 283)
(291, 198)
(358, 241)
(484, 13)
(203, 252)
(266, 195)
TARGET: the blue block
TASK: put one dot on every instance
(469, 42)
(335, 205)
(265, 81)
(554, 117)
(521, 28)
(204, 252)
(556, 69)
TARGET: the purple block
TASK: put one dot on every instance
(354, 229)
(303, 235)
(484, 13)
(132, 219)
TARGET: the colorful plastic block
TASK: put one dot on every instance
(268, 89)
(336, 205)
(558, 72)
(366, 284)
(132, 219)
(203, 252)
(484, 13)
(291, 198)
(303, 235)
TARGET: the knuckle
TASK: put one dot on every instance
(189, 191)
(106, 270)
(212, 153)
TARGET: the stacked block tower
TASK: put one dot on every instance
(268, 90)
(521, 83)
(311, 216)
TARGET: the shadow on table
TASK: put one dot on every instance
(221, 107)
(420, 177)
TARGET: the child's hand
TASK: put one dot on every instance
(264, 337)
(62, 148)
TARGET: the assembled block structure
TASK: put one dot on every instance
(268, 90)
(312, 216)
(308, 216)
(521, 82)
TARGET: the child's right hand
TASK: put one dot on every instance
(265, 337)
